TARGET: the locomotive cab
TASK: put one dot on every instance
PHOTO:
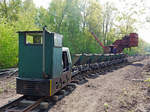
(44, 65)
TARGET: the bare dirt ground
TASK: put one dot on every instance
(7, 89)
(123, 90)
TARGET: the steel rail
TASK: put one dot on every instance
(10, 107)
(13, 103)
(33, 106)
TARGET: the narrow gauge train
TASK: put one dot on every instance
(45, 66)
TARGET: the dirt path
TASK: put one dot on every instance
(119, 91)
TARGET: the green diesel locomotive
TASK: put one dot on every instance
(45, 66)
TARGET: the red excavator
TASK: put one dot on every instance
(127, 41)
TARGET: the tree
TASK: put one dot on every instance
(8, 45)
(10, 9)
(74, 19)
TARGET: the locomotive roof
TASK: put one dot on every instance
(30, 32)
(34, 33)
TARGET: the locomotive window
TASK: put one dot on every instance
(33, 39)
(65, 61)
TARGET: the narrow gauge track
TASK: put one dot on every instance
(35, 102)
(9, 71)
(14, 106)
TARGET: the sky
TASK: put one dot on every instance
(143, 29)
(44, 3)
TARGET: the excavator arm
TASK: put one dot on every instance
(98, 41)
(106, 49)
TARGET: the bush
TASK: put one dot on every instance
(8, 45)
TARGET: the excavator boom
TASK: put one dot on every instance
(98, 41)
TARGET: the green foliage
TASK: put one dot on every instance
(106, 106)
(74, 19)
(8, 45)
(10, 9)
(147, 80)
(9, 37)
